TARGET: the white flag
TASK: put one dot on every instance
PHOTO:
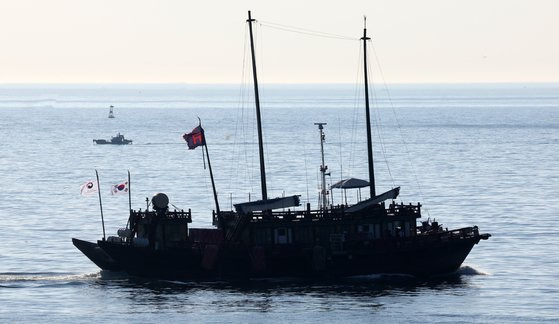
(120, 188)
(88, 188)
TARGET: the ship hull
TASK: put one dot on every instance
(421, 260)
(146, 262)
(94, 253)
(102, 141)
(418, 257)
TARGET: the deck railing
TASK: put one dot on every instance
(333, 213)
(174, 214)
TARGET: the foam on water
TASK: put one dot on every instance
(9, 277)
(466, 270)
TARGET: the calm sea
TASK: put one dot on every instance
(485, 155)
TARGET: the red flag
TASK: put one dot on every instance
(195, 138)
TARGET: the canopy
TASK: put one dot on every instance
(275, 203)
(350, 183)
(390, 194)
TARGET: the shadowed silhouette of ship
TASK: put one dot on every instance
(267, 238)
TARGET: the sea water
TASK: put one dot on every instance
(485, 155)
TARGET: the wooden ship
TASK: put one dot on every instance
(272, 238)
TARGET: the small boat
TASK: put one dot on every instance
(267, 238)
(116, 140)
(111, 115)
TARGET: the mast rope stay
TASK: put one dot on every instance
(259, 44)
(393, 109)
(378, 121)
(240, 134)
(304, 31)
(358, 97)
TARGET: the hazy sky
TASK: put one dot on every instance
(202, 41)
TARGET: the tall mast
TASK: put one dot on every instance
(258, 120)
(368, 115)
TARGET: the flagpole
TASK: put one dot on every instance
(197, 138)
(129, 194)
(100, 203)
(212, 178)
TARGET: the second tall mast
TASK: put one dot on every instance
(258, 119)
(368, 114)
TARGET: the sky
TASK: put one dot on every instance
(203, 41)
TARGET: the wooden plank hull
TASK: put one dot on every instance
(416, 257)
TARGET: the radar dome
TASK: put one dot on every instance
(160, 201)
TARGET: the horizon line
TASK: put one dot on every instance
(268, 83)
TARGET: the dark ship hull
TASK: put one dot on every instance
(258, 241)
(424, 256)
(96, 255)
(189, 263)
(102, 141)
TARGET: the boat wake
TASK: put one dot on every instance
(16, 279)
(471, 271)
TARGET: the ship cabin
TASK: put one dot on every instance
(159, 228)
(310, 227)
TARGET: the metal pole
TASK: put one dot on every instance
(213, 183)
(129, 194)
(100, 204)
(258, 119)
(367, 113)
(323, 193)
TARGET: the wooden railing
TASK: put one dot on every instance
(174, 214)
(332, 213)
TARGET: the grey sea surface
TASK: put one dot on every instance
(473, 154)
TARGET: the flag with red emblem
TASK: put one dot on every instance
(195, 138)
(120, 188)
(88, 188)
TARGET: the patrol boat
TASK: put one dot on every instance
(116, 140)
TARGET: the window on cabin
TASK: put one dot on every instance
(282, 235)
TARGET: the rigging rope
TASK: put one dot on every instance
(304, 31)
(357, 98)
(399, 128)
(260, 45)
(378, 121)
(240, 125)
(341, 155)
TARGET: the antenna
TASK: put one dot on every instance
(323, 201)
